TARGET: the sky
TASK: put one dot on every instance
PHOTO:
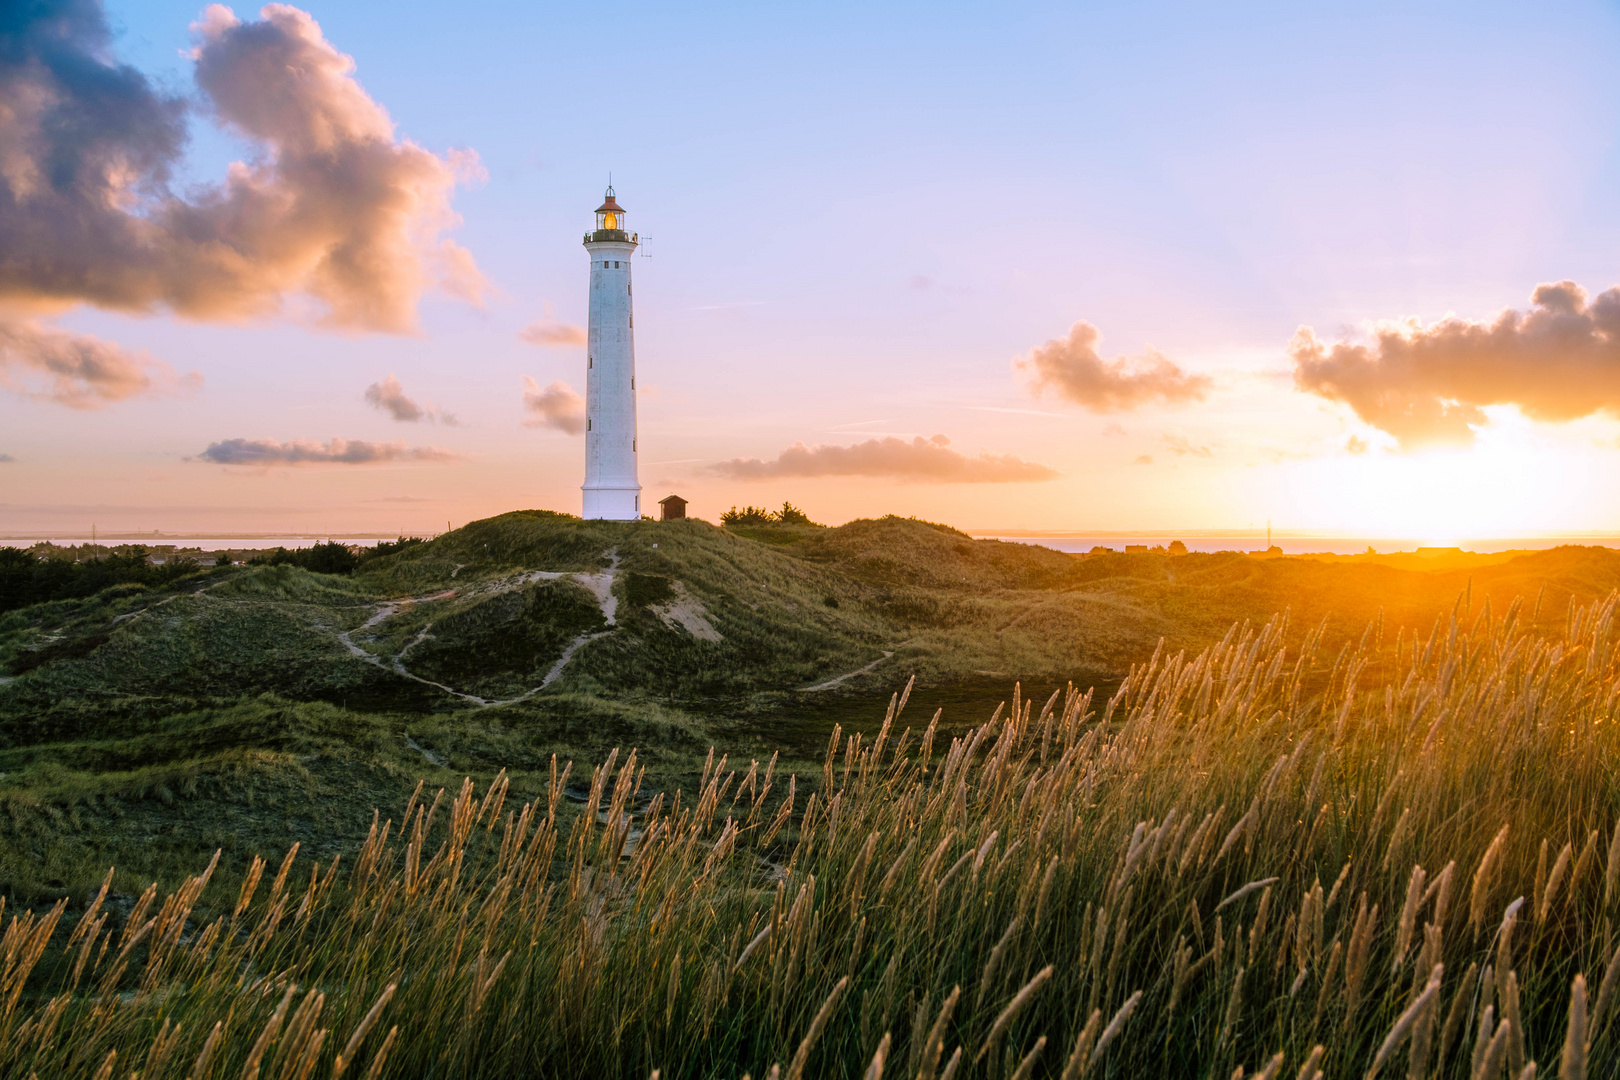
(1140, 266)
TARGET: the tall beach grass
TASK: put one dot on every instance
(1394, 859)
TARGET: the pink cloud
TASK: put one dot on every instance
(1072, 368)
(923, 460)
(79, 370)
(1429, 384)
(548, 332)
(389, 396)
(268, 452)
(556, 406)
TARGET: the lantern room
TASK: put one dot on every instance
(610, 215)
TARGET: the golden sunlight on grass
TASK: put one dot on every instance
(1396, 858)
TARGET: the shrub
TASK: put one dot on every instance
(646, 590)
(758, 515)
(390, 547)
(748, 515)
(330, 557)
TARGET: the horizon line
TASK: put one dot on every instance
(977, 533)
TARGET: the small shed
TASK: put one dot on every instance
(671, 508)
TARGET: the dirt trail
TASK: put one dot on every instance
(599, 585)
(839, 680)
(433, 758)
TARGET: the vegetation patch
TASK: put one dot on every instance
(504, 645)
(646, 590)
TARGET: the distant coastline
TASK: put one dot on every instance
(1290, 543)
(1072, 541)
(201, 539)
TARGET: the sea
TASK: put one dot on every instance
(206, 543)
(1064, 541)
(1295, 545)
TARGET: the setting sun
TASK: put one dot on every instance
(1444, 495)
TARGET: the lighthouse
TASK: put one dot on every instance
(612, 491)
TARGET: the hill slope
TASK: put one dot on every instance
(247, 706)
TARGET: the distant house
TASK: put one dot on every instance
(671, 508)
(1136, 549)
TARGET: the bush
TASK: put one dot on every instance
(758, 515)
(328, 558)
(646, 590)
(332, 557)
(748, 515)
(390, 547)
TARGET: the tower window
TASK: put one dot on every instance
(587, 423)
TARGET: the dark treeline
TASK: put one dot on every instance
(332, 557)
(27, 579)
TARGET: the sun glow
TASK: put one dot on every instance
(1444, 496)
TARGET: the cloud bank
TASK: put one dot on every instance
(921, 460)
(389, 396)
(79, 370)
(1428, 384)
(332, 205)
(557, 407)
(1072, 368)
(266, 452)
(548, 331)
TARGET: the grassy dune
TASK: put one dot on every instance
(146, 727)
(1396, 857)
(1390, 768)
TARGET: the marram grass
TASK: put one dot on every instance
(1400, 860)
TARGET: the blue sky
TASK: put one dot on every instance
(859, 216)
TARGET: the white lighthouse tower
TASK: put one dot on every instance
(611, 488)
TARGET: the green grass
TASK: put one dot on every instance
(117, 689)
(1265, 855)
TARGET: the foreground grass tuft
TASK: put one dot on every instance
(1394, 859)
